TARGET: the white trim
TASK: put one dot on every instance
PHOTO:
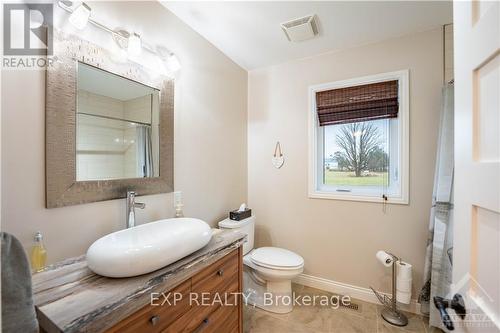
(404, 145)
(360, 293)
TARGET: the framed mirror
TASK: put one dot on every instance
(109, 126)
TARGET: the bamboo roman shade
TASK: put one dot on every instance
(358, 103)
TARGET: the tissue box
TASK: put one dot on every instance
(237, 216)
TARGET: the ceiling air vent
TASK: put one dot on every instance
(300, 29)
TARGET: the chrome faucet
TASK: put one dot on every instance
(131, 206)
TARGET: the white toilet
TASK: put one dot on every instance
(268, 271)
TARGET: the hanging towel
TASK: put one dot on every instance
(18, 309)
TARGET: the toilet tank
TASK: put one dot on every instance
(246, 226)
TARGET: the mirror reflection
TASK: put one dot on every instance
(117, 127)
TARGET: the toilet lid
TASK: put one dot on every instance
(275, 257)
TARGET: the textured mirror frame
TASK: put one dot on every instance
(62, 189)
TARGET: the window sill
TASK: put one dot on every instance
(358, 198)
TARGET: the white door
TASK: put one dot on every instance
(476, 239)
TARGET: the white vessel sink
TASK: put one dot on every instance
(147, 247)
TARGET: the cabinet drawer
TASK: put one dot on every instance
(209, 303)
(222, 320)
(217, 277)
(154, 318)
(222, 279)
(206, 318)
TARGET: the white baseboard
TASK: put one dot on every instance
(363, 294)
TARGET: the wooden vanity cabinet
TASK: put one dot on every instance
(211, 302)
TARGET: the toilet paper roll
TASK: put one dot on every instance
(403, 285)
(404, 270)
(384, 258)
(402, 297)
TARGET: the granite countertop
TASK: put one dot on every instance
(69, 297)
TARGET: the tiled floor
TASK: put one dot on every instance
(308, 319)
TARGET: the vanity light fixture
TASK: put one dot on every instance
(166, 65)
(131, 42)
(173, 63)
(80, 16)
(134, 46)
(159, 64)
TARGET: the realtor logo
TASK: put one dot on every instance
(480, 308)
(27, 29)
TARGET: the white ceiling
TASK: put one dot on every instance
(250, 33)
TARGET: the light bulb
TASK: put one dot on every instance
(134, 44)
(158, 66)
(173, 64)
(80, 16)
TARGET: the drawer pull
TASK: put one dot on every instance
(154, 320)
(201, 326)
(220, 272)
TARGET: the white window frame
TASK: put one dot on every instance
(317, 190)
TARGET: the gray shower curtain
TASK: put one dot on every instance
(144, 151)
(439, 260)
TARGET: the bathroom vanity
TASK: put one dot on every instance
(199, 293)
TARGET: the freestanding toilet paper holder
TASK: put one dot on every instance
(390, 313)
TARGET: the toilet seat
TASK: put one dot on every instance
(270, 271)
(276, 258)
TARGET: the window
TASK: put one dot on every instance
(359, 139)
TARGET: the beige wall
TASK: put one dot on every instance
(210, 138)
(339, 239)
